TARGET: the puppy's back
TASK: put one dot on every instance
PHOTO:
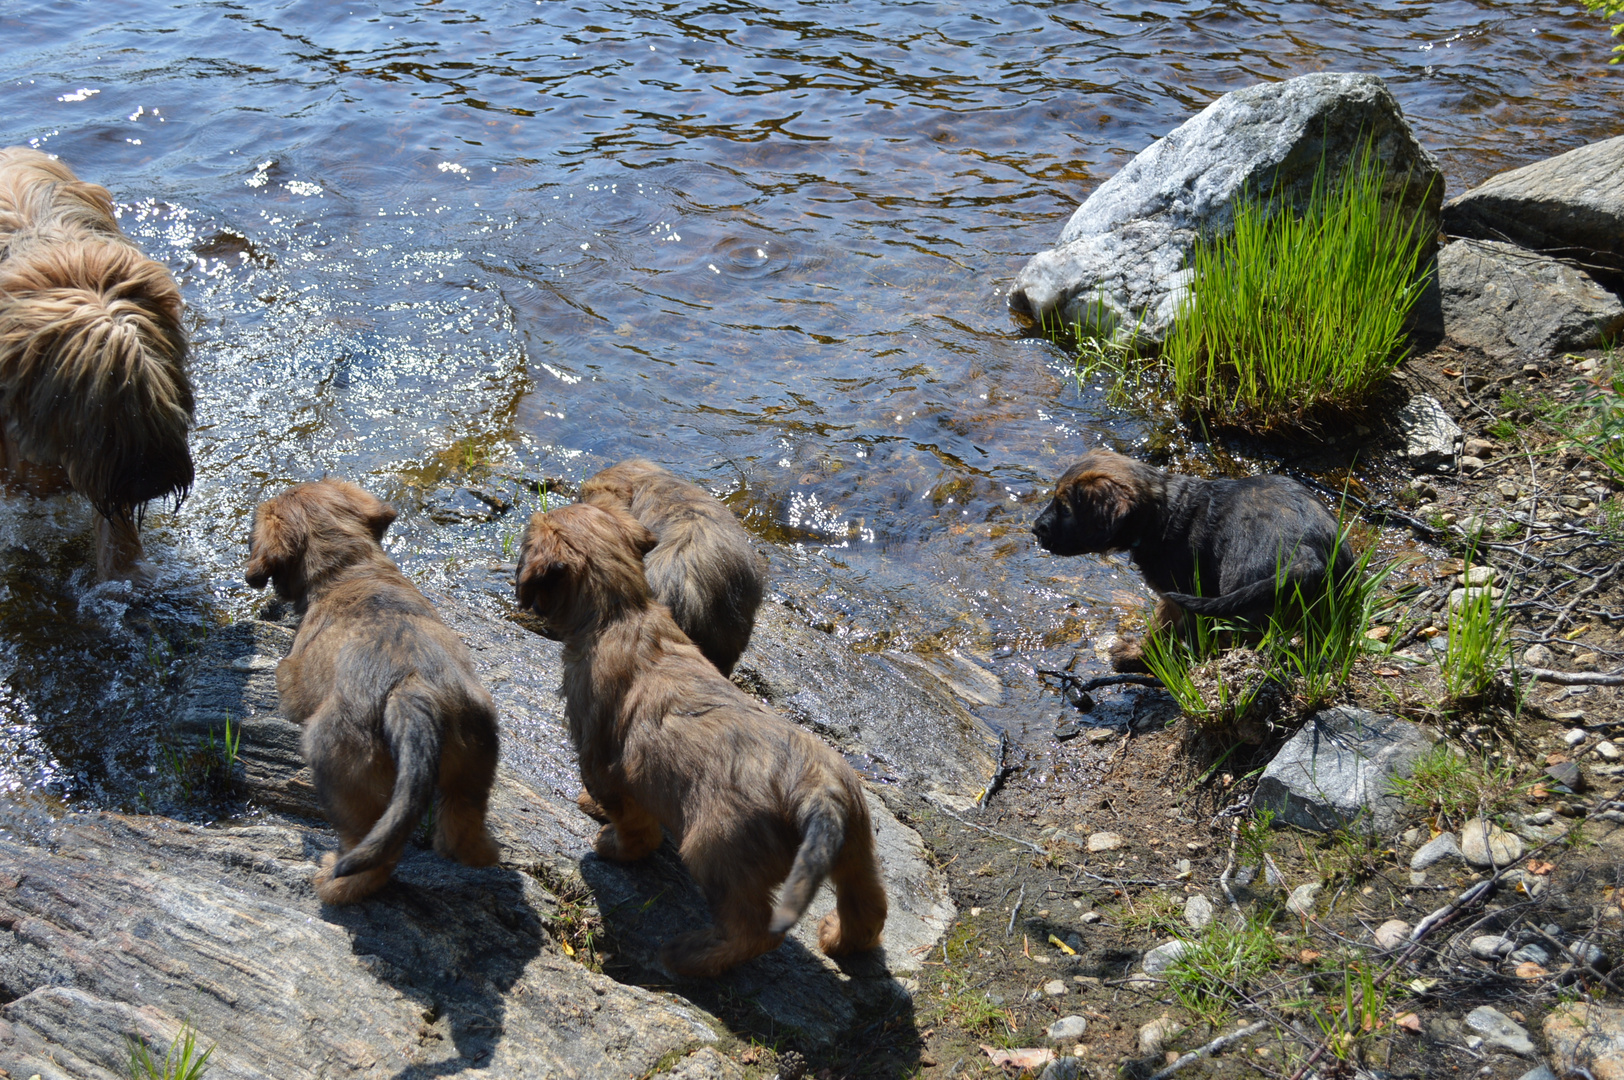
(704, 568)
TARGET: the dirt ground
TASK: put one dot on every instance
(1089, 849)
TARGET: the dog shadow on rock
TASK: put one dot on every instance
(795, 989)
(453, 939)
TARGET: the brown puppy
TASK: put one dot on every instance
(1230, 548)
(93, 390)
(704, 567)
(393, 712)
(666, 739)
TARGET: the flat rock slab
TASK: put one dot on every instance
(1485, 844)
(1119, 265)
(1570, 205)
(129, 926)
(1586, 1040)
(1431, 436)
(1337, 770)
(907, 732)
(1511, 302)
(1500, 1030)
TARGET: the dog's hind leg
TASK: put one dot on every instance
(860, 905)
(632, 832)
(741, 910)
(460, 832)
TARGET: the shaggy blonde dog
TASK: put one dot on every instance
(93, 389)
(664, 739)
(393, 713)
(705, 569)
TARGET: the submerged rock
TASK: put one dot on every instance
(1511, 302)
(1119, 265)
(1338, 770)
(1570, 205)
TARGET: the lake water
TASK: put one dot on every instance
(453, 251)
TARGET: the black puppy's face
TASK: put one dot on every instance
(1090, 509)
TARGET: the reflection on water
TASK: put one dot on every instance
(462, 253)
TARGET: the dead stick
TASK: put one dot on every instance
(1211, 1048)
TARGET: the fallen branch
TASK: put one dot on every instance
(993, 832)
(1086, 685)
(1568, 678)
(1211, 1048)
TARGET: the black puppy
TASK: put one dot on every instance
(1230, 548)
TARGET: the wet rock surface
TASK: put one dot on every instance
(152, 921)
(1119, 265)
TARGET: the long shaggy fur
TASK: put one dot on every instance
(92, 354)
(394, 716)
(1215, 547)
(664, 739)
(704, 568)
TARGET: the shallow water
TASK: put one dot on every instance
(437, 247)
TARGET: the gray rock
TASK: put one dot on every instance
(1530, 954)
(1164, 956)
(1500, 1030)
(1338, 770)
(706, 1063)
(1301, 900)
(1490, 947)
(1119, 265)
(1054, 988)
(1430, 435)
(1509, 302)
(1483, 843)
(1198, 911)
(1064, 1068)
(1570, 205)
(1538, 1072)
(1586, 1039)
(1587, 952)
(1104, 841)
(1436, 850)
(1067, 1029)
(1538, 655)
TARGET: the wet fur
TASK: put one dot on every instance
(664, 739)
(93, 389)
(394, 716)
(1230, 537)
(704, 568)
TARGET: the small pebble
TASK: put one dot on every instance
(1490, 946)
(1575, 736)
(1606, 750)
(1054, 988)
(1105, 841)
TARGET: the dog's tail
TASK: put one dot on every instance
(411, 726)
(1247, 600)
(823, 833)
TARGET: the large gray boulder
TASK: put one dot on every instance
(1119, 265)
(1512, 302)
(1338, 771)
(1571, 205)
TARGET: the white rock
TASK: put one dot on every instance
(1198, 911)
(1538, 655)
(1055, 988)
(1154, 1036)
(1164, 956)
(1486, 844)
(1105, 841)
(1392, 933)
(1067, 1029)
(1301, 900)
(1575, 736)
(1479, 575)
(1439, 848)
(1498, 1029)
(1607, 750)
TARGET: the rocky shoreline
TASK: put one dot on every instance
(120, 926)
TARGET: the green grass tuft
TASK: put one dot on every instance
(1292, 315)
(181, 1062)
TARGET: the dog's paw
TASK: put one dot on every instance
(347, 890)
(835, 943)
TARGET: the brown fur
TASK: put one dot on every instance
(392, 709)
(665, 739)
(1228, 548)
(93, 389)
(704, 568)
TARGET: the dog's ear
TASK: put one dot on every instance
(273, 544)
(539, 563)
(642, 538)
(607, 489)
(379, 517)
